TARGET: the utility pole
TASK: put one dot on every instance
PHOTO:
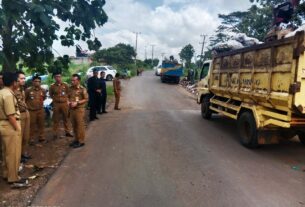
(137, 33)
(152, 55)
(145, 52)
(202, 43)
(162, 55)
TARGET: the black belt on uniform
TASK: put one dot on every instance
(36, 109)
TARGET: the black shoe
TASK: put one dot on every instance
(117, 108)
(27, 157)
(69, 135)
(79, 145)
(96, 117)
(99, 112)
(21, 181)
(23, 160)
(32, 143)
(104, 112)
(73, 143)
(43, 141)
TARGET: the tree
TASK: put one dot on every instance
(155, 62)
(28, 28)
(187, 54)
(121, 54)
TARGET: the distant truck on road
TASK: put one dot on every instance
(171, 71)
(262, 87)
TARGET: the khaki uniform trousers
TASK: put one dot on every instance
(117, 99)
(37, 124)
(77, 117)
(61, 109)
(11, 150)
(25, 130)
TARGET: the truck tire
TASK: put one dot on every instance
(247, 130)
(206, 112)
(301, 136)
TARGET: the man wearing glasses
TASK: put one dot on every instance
(34, 97)
(59, 94)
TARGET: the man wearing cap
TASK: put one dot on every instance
(34, 97)
(78, 98)
(10, 130)
(94, 92)
(59, 93)
(24, 115)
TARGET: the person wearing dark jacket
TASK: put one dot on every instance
(102, 108)
(94, 91)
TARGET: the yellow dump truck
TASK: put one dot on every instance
(262, 87)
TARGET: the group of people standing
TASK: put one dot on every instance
(97, 91)
(22, 117)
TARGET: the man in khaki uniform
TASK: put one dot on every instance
(117, 91)
(10, 129)
(78, 98)
(24, 115)
(59, 93)
(34, 97)
(1, 87)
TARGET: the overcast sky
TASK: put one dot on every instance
(167, 24)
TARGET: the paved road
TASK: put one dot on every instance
(159, 152)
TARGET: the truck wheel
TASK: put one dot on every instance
(247, 130)
(301, 136)
(206, 112)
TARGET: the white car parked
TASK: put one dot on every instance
(109, 70)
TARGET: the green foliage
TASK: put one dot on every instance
(28, 28)
(61, 65)
(186, 54)
(109, 89)
(150, 63)
(121, 54)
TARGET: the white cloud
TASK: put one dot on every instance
(169, 26)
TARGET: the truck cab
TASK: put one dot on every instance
(203, 84)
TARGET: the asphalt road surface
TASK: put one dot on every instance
(159, 152)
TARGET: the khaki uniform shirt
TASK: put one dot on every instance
(77, 94)
(117, 85)
(8, 104)
(59, 92)
(34, 98)
(20, 95)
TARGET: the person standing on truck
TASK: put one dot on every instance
(59, 94)
(117, 91)
(34, 97)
